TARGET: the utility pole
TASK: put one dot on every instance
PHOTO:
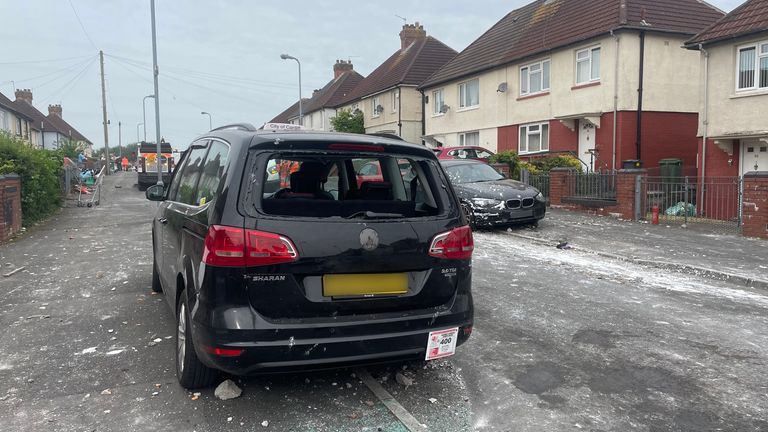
(157, 98)
(104, 110)
(120, 138)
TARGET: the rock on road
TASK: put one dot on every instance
(563, 340)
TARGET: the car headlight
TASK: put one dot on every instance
(486, 202)
(540, 197)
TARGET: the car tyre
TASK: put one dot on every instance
(466, 208)
(190, 371)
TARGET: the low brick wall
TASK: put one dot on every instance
(560, 190)
(755, 205)
(10, 206)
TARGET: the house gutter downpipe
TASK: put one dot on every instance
(639, 138)
(705, 123)
(615, 96)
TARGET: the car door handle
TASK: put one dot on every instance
(162, 220)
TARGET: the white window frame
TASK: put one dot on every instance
(395, 100)
(525, 87)
(588, 59)
(463, 139)
(435, 105)
(463, 92)
(374, 104)
(529, 133)
(761, 52)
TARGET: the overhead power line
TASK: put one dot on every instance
(82, 26)
(45, 61)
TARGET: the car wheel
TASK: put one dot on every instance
(190, 371)
(156, 287)
(469, 214)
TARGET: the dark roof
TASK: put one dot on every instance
(65, 128)
(291, 112)
(750, 17)
(334, 92)
(36, 117)
(8, 104)
(409, 66)
(545, 25)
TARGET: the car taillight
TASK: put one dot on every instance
(236, 247)
(454, 244)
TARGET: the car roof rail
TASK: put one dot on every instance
(239, 126)
(387, 135)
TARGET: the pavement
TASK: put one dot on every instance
(564, 340)
(720, 256)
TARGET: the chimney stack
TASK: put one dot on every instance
(25, 95)
(54, 110)
(340, 67)
(411, 33)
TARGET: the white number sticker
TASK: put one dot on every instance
(442, 343)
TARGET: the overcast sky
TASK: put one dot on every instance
(222, 57)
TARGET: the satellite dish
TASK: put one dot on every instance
(502, 88)
(444, 108)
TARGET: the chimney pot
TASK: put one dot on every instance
(54, 110)
(411, 33)
(25, 95)
(342, 66)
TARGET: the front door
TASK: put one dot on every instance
(587, 143)
(754, 155)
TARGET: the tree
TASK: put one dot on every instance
(70, 148)
(347, 121)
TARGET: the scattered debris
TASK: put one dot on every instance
(227, 390)
(99, 275)
(157, 340)
(114, 352)
(13, 272)
(265, 423)
(353, 416)
(195, 396)
(90, 350)
(158, 385)
(348, 385)
(155, 393)
(403, 380)
(229, 419)
(370, 403)
(107, 411)
(432, 400)
(564, 245)
(106, 392)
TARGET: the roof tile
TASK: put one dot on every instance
(750, 17)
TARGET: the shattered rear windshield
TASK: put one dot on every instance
(350, 186)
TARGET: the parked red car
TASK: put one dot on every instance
(464, 152)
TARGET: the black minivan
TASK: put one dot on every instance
(284, 250)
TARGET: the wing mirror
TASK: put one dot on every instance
(156, 193)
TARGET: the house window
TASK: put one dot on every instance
(18, 126)
(534, 78)
(469, 139)
(752, 68)
(438, 100)
(469, 94)
(375, 107)
(534, 138)
(588, 65)
(395, 100)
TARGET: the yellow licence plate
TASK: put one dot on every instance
(339, 285)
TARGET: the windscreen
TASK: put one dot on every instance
(349, 186)
(472, 173)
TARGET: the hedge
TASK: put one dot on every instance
(40, 172)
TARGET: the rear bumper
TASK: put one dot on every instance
(274, 347)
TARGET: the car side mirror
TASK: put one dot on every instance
(156, 193)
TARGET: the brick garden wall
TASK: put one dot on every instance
(10, 206)
(755, 205)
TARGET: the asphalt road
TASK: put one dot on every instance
(563, 340)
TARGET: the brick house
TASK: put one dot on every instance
(734, 84)
(51, 130)
(604, 80)
(388, 96)
(14, 122)
(318, 110)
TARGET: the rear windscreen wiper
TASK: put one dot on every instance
(374, 215)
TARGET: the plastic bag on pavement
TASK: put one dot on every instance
(680, 209)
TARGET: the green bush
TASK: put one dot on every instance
(509, 158)
(40, 172)
(559, 161)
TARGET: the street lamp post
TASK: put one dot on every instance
(138, 138)
(210, 122)
(289, 57)
(144, 110)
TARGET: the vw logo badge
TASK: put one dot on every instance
(369, 239)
